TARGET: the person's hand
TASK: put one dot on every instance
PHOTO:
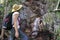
(16, 34)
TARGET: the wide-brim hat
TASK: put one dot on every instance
(16, 7)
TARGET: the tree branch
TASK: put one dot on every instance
(56, 9)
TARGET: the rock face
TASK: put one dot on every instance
(40, 7)
(50, 19)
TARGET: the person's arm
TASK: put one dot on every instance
(15, 21)
(2, 33)
(15, 17)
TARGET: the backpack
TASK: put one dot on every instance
(7, 21)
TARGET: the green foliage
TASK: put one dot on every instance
(52, 4)
(58, 15)
(58, 32)
(1, 9)
(58, 29)
(48, 18)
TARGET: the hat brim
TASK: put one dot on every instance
(20, 6)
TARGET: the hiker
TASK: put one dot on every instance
(16, 31)
(36, 25)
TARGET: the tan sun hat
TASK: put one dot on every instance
(16, 7)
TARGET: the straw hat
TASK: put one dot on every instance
(16, 7)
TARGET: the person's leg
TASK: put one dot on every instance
(23, 36)
(12, 33)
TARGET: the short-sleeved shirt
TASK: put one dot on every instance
(18, 26)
